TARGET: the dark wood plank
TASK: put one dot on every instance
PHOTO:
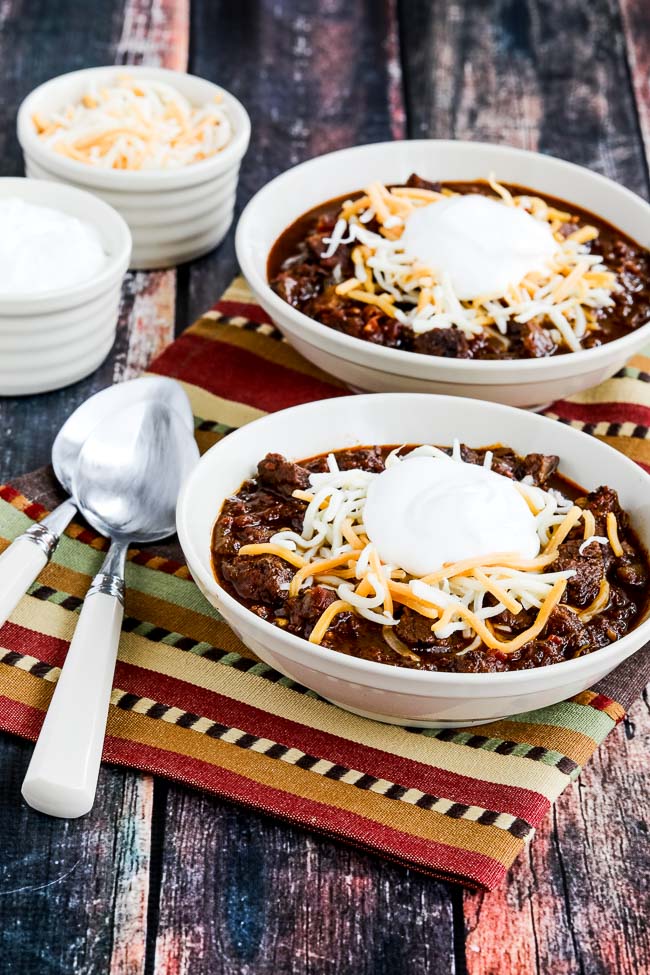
(34, 46)
(555, 79)
(579, 900)
(241, 893)
(244, 894)
(73, 894)
(540, 75)
(636, 29)
(313, 78)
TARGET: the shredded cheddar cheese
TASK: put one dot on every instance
(599, 604)
(267, 548)
(612, 534)
(566, 297)
(333, 550)
(136, 125)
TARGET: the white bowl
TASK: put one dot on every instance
(174, 215)
(375, 690)
(363, 365)
(53, 338)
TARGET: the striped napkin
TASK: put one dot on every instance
(193, 704)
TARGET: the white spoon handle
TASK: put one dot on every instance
(62, 776)
(28, 555)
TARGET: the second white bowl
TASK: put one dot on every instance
(174, 215)
(366, 366)
(376, 690)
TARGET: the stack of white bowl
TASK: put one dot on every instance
(174, 215)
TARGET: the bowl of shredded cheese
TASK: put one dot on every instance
(162, 147)
(440, 266)
(388, 508)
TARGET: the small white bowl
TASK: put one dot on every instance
(174, 215)
(376, 690)
(365, 366)
(53, 338)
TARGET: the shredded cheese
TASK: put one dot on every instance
(612, 534)
(565, 297)
(135, 125)
(267, 548)
(599, 604)
(563, 529)
(323, 623)
(333, 550)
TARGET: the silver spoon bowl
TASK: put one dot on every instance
(125, 482)
(27, 556)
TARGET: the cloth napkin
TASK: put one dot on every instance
(193, 704)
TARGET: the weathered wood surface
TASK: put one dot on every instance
(74, 896)
(162, 879)
(509, 73)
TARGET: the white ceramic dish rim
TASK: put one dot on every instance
(26, 303)
(416, 362)
(142, 180)
(428, 679)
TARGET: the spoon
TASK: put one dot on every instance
(125, 483)
(28, 554)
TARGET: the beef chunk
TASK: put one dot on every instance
(566, 229)
(418, 183)
(530, 340)
(305, 610)
(539, 467)
(299, 283)
(368, 458)
(539, 653)
(517, 623)
(235, 527)
(611, 624)
(281, 475)
(366, 322)
(450, 343)
(582, 587)
(471, 456)
(261, 578)
(341, 257)
(472, 662)
(602, 501)
(630, 570)
(505, 461)
(415, 630)
(566, 625)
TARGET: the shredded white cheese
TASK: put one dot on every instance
(136, 124)
(575, 285)
(337, 503)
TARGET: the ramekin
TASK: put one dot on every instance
(53, 338)
(375, 690)
(365, 366)
(174, 215)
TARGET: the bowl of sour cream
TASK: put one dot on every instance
(63, 255)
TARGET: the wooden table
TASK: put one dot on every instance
(159, 878)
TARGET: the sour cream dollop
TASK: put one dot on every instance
(484, 246)
(43, 249)
(425, 511)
